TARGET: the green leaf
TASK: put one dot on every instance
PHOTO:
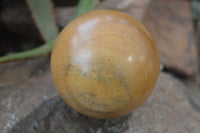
(42, 50)
(42, 14)
(85, 6)
(196, 9)
(41, 10)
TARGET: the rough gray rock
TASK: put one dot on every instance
(171, 25)
(29, 103)
(168, 110)
(24, 85)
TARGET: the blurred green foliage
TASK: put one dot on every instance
(196, 9)
(42, 13)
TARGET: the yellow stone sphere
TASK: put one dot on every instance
(105, 64)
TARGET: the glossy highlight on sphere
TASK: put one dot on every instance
(105, 64)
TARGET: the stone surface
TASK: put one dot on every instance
(29, 103)
(135, 8)
(24, 85)
(168, 110)
(172, 28)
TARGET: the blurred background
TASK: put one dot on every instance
(29, 101)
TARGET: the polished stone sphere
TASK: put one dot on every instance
(105, 64)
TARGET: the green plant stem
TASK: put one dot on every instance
(196, 10)
(42, 50)
(42, 13)
(84, 6)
